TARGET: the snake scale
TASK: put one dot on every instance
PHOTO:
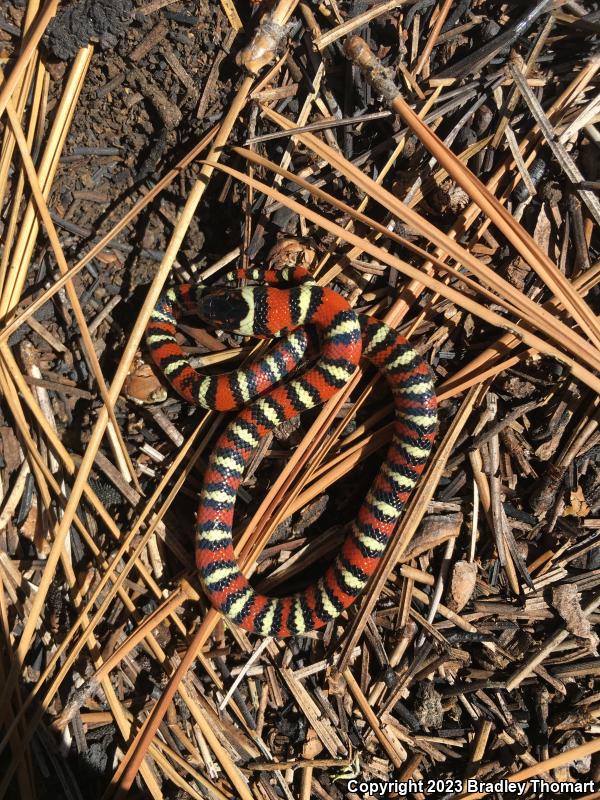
(277, 310)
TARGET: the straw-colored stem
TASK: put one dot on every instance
(433, 36)
(124, 776)
(520, 304)
(62, 453)
(119, 378)
(459, 298)
(562, 759)
(117, 439)
(21, 256)
(472, 212)
(6, 166)
(121, 373)
(579, 346)
(582, 284)
(359, 51)
(12, 326)
(42, 476)
(28, 51)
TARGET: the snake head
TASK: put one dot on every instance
(227, 308)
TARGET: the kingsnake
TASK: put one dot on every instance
(268, 311)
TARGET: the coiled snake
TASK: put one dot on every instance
(267, 311)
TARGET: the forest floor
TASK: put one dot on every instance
(450, 189)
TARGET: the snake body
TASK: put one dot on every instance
(274, 311)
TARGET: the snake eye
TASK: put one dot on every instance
(223, 308)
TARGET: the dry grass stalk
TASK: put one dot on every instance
(232, 15)
(467, 218)
(324, 40)
(116, 438)
(136, 209)
(28, 51)
(34, 71)
(117, 583)
(566, 757)
(582, 283)
(29, 226)
(455, 296)
(505, 290)
(433, 37)
(34, 615)
(529, 250)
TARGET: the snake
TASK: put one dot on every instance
(281, 304)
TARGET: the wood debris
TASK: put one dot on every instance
(436, 163)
